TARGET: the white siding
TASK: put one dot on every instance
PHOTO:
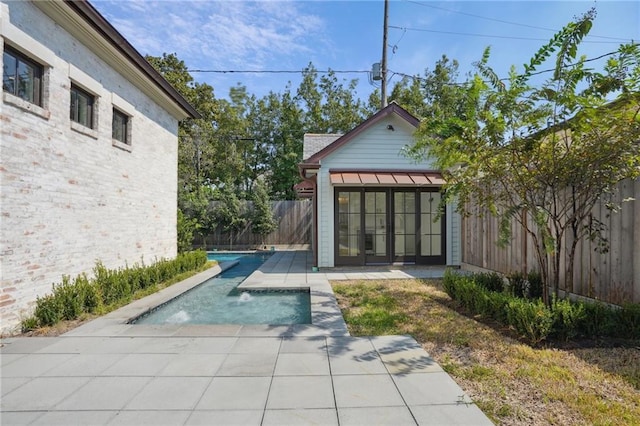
(69, 198)
(375, 148)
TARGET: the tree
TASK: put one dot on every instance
(286, 147)
(435, 95)
(262, 220)
(199, 216)
(543, 155)
(229, 211)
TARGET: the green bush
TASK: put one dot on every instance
(28, 324)
(532, 319)
(491, 281)
(449, 283)
(498, 306)
(525, 286)
(627, 320)
(70, 299)
(567, 318)
(598, 321)
(518, 285)
(535, 285)
(48, 310)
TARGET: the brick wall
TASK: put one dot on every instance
(69, 198)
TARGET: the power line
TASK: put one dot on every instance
(507, 79)
(502, 20)
(488, 35)
(280, 71)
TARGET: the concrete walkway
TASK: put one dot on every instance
(111, 372)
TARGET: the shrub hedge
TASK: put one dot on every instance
(72, 298)
(534, 320)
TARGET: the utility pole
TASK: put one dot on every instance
(384, 53)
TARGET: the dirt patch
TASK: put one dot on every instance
(58, 329)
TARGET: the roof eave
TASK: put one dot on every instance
(392, 108)
(112, 39)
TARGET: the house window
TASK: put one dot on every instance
(21, 76)
(82, 103)
(120, 126)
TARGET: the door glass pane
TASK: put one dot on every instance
(436, 246)
(376, 223)
(343, 248)
(430, 227)
(410, 202)
(354, 224)
(410, 245)
(349, 223)
(404, 230)
(399, 224)
(398, 202)
(354, 247)
(399, 245)
(370, 221)
(381, 202)
(370, 202)
(354, 202)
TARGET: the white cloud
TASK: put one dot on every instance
(218, 34)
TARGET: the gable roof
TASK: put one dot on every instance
(82, 20)
(392, 108)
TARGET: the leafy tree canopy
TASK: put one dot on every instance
(541, 154)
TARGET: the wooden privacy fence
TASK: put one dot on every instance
(613, 276)
(294, 218)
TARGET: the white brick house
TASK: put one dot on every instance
(372, 204)
(88, 151)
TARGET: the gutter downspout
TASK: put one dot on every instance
(314, 184)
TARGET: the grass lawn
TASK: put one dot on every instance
(511, 382)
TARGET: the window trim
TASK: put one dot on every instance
(74, 116)
(126, 143)
(39, 80)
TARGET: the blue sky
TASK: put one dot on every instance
(347, 35)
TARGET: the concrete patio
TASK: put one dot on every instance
(111, 372)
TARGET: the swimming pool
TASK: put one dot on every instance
(218, 301)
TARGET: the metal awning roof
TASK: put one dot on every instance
(393, 178)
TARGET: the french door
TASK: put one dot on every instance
(385, 225)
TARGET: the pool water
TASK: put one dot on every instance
(218, 301)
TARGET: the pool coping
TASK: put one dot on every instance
(326, 317)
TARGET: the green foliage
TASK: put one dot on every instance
(527, 286)
(70, 299)
(599, 320)
(49, 310)
(29, 324)
(230, 211)
(540, 154)
(262, 220)
(518, 285)
(568, 317)
(491, 281)
(195, 216)
(535, 284)
(533, 319)
(627, 320)
(186, 228)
